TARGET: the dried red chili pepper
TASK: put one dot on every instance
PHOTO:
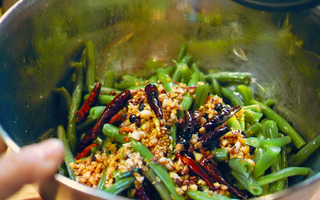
(214, 135)
(112, 108)
(152, 97)
(119, 117)
(220, 118)
(86, 151)
(216, 175)
(196, 168)
(141, 192)
(188, 128)
(83, 113)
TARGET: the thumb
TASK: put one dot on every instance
(33, 163)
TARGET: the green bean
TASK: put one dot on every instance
(195, 68)
(284, 162)
(241, 166)
(284, 126)
(102, 181)
(75, 103)
(182, 52)
(266, 161)
(176, 75)
(215, 85)
(220, 154)
(255, 108)
(233, 123)
(173, 133)
(170, 69)
(252, 116)
(249, 183)
(110, 79)
(160, 187)
(245, 92)
(103, 99)
(241, 121)
(266, 189)
(165, 79)
(305, 152)
(269, 102)
(88, 123)
(65, 97)
(198, 195)
(266, 143)
(234, 99)
(195, 78)
(124, 174)
(120, 185)
(91, 64)
(95, 112)
(63, 169)
(253, 129)
(186, 59)
(112, 131)
(271, 129)
(284, 173)
(68, 156)
(201, 96)
(123, 85)
(231, 77)
(184, 71)
(116, 175)
(153, 79)
(259, 151)
(105, 90)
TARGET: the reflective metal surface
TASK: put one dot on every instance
(39, 38)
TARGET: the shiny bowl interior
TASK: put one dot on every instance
(38, 39)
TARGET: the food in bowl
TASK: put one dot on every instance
(180, 133)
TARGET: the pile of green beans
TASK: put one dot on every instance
(268, 134)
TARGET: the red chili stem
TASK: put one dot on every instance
(152, 97)
(216, 175)
(83, 113)
(86, 151)
(112, 109)
(196, 168)
(141, 192)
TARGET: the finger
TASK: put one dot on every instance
(33, 163)
(3, 146)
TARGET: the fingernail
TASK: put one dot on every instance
(50, 150)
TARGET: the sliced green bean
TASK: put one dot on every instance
(186, 59)
(110, 79)
(68, 156)
(266, 160)
(284, 162)
(184, 71)
(88, 123)
(153, 79)
(176, 75)
(102, 181)
(160, 187)
(90, 64)
(103, 99)
(305, 152)
(253, 129)
(63, 169)
(198, 195)
(220, 154)
(95, 112)
(173, 133)
(165, 79)
(245, 92)
(252, 116)
(120, 185)
(241, 166)
(231, 77)
(259, 151)
(255, 108)
(195, 68)
(266, 143)
(105, 90)
(65, 97)
(269, 102)
(233, 123)
(249, 183)
(234, 99)
(202, 93)
(284, 126)
(284, 173)
(216, 86)
(182, 52)
(74, 107)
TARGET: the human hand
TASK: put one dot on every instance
(33, 163)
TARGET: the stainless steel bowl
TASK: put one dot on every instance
(39, 38)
